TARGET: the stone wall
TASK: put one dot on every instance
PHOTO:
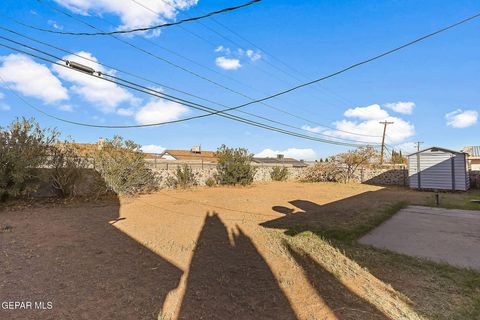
(201, 175)
(397, 177)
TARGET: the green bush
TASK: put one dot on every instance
(64, 168)
(279, 174)
(184, 178)
(23, 149)
(210, 182)
(234, 166)
(122, 166)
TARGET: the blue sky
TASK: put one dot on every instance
(430, 90)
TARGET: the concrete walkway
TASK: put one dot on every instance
(443, 235)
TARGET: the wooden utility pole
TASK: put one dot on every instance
(418, 145)
(385, 123)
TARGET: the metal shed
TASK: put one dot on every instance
(438, 168)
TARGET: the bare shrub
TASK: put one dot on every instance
(234, 166)
(279, 174)
(64, 168)
(183, 178)
(123, 168)
(327, 171)
(343, 166)
(23, 149)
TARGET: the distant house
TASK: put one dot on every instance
(473, 157)
(280, 160)
(194, 154)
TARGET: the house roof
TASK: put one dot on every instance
(207, 156)
(473, 151)
(438, 148)
(294, 162)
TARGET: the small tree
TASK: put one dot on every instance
(234, 166)
(64, 168)
(123, 168)
(350, 161)
(279, 174)
(23, 149)
(184, 178)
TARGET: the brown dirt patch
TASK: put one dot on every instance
(197, 254)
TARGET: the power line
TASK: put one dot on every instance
(210, 111)
(355, 65)
(189, 71)
(149, 89)
(159, 26)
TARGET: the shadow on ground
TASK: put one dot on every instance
(76, 259)
(353, 212)
(230, 279)
(344, 303)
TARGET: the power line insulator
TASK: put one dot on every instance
(80, 67)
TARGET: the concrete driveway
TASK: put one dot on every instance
(443, 235)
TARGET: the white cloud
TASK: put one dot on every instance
(126, 111)
(55, 25)
(407, 147)
(254, 56)
(227, 63)
(222, 49)
(368, 126)
(372, 112)
(130, 13)
(313, 129)
(31, 78)
(401, 107)
(152, 148)
(160, 110)
(299, 154)
(461, 119)
(65, 107)
(106, 95)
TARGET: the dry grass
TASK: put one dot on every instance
(285, 249)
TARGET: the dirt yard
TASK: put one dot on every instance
(225, 253)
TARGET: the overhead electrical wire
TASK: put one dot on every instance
(355, 65)
(161, 84)
(210, 111)
(192, 73)
(159, 26)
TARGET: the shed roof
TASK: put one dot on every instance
(473, 151)
(438, 148)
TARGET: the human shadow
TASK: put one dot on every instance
(344, 303)
(231, 280)
(75, 258)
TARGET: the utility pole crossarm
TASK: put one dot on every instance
(385, 123)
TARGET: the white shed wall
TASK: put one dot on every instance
(436, 170)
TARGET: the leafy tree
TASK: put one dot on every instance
(23, 149)
(123, 168)
(398, 158)
(234, 166)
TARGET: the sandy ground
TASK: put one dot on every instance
(443, 235)
(210, 253)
